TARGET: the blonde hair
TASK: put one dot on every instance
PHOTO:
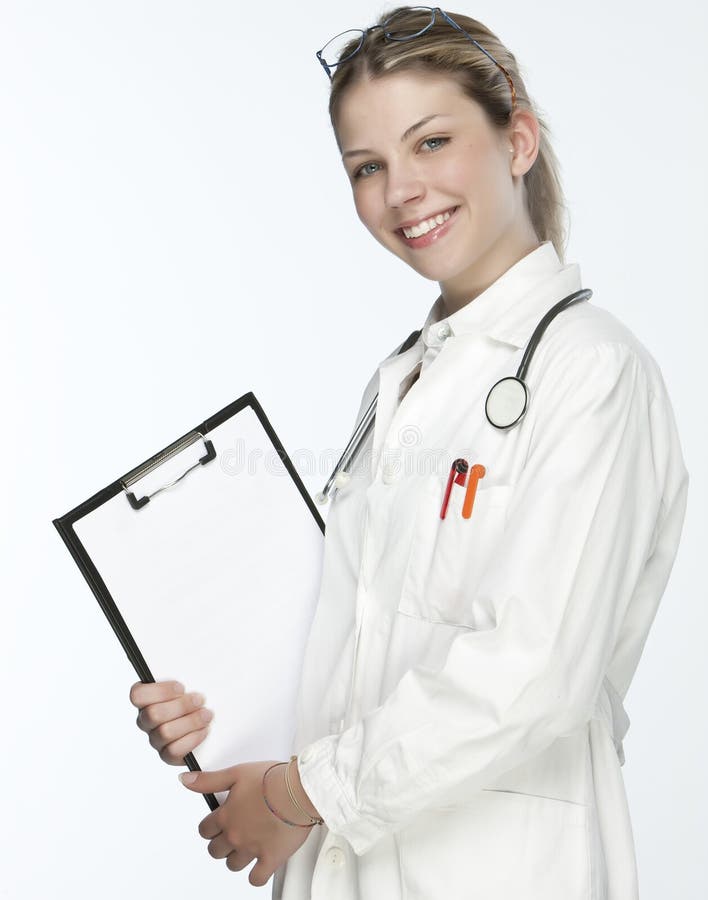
(443, 50)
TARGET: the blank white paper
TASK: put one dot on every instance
(217, 579)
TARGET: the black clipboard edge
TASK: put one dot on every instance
(115, 619)
(64, 525)
(250, 400)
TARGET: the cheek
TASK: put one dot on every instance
(482, 178)
(366, 207)
(478, 159)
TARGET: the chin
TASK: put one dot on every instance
(435, 270)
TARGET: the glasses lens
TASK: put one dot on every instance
(409, 23)
(342, 46)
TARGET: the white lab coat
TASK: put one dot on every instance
(460, 715)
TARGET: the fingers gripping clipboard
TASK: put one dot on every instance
(206, 560)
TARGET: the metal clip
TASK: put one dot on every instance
(159, 459)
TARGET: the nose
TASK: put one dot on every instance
(403, 185)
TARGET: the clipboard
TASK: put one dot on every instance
(206, 561)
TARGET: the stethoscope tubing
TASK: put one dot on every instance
(357, 439)
(362, 430)
(584, 294)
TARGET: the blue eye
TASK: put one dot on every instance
(444, 140)
(359, 173)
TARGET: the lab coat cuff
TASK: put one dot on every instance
(333, 799)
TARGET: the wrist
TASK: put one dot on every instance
(299, 791)
(277, 798)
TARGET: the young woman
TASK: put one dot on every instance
(460, 717)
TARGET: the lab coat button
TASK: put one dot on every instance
(336, 857)
(389, 474)
(443, 331)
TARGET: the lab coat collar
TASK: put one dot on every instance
(510, 308)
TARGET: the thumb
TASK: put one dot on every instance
(209, 782)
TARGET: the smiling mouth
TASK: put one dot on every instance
(424, 226)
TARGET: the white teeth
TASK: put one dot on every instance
(426, 225)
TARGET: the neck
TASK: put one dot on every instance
(486, 269)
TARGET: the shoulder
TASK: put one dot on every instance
(592, 369)
(589, 341)
(593, 365)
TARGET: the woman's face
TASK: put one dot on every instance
(456, 164)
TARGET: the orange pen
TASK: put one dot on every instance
(476, 472)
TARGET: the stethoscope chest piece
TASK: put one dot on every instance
(506, 402)
(508, 399)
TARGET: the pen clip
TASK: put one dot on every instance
(458, 470)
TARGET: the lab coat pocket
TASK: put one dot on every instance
(448, 556)
(500, 846)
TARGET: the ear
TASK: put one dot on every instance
(524, 134)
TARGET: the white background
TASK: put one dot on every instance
(176, 229)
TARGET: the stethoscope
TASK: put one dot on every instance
(507, 400)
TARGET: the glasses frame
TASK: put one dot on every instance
(434, 10)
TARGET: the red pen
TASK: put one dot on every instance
(458, 470)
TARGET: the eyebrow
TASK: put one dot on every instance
(406, 134)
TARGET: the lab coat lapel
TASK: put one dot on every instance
(516, 322)
(392, 371)
(508, 316)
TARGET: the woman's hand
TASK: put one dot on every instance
(243, 828)
(175, 722)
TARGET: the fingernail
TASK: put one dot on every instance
(188, 777)
(179, 687)
(206, 715)
(198, 699)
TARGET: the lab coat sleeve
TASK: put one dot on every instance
(579, 530)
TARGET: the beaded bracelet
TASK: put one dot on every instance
(315, 821)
